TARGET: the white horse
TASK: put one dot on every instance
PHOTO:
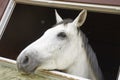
(63, 47)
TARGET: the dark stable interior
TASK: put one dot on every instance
(28, 23)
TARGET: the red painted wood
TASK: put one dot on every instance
(105, 2)
(3, 5)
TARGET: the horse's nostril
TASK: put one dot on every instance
(26, 60)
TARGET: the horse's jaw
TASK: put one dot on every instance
(48, 65)
(81, 67)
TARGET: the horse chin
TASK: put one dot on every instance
(48, 69)
(27, 72)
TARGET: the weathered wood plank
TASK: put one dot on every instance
(8, 71)
(3, 5)
(105, 2)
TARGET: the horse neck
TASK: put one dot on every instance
(81, 66)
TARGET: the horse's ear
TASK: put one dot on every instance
(58, 18)
(80, 19)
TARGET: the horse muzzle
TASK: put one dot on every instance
(27, 63)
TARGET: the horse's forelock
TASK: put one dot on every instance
(65, 21)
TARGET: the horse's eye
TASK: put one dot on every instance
(62, 35)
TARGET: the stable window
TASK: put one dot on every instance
(30, 19)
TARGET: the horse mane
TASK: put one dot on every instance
(91, 57)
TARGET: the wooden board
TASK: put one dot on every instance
(105, 2)
(3, 5)
(8, 71)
